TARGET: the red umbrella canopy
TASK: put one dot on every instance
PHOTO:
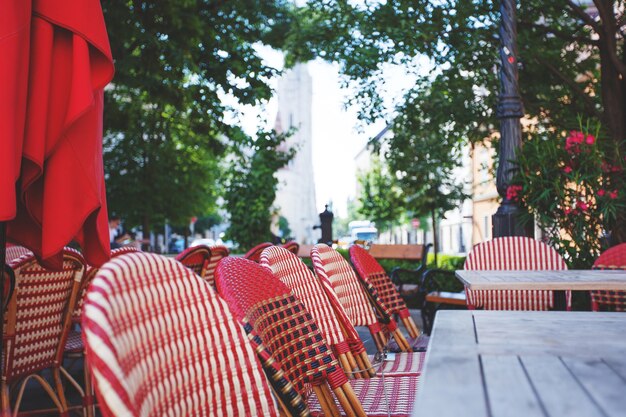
(52, 174)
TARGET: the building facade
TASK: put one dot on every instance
(295, 197)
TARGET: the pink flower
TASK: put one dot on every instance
(567, 211)
(574, 139)
(590, 140)
(567, 169)
(582, 205)
(601, 192)
(613, 195)
(512, 192)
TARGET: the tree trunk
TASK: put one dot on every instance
(613, 90)
(612, 85)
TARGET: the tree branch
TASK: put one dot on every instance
(608, 34)
(583, 15)
(588, 103)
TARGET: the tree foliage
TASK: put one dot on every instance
(164, 119)
(573, 63)
(381, 199)
(251, 189)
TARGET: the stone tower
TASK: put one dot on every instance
(295, 198)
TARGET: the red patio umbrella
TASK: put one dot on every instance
(57, 63)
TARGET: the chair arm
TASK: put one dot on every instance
(429, 283)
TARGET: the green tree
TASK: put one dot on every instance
(250, 189)
(426, 179)
(164, 123)
(572, 57)
(283, 226)
(381, 199)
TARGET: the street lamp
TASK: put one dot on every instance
(510, 109)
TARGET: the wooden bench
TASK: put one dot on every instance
(399, 252)
(446, 297)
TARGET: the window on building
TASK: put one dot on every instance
(486, 228)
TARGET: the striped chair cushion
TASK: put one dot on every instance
(381, 397)
(162, 343)
(195, 258)
(404, 364)
(37, 322)
(218, 252)
(291, 271)
(512, 253)
(612, 258)
(254, 254)
(281, 320)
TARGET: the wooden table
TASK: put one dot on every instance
(558, 281)
(510, 363)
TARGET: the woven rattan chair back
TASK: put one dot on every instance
(612, 258)
(38, 315)
(338, 278)
(292, 246)
(218, 252)
(15, 251)
(90, 273)
(382, 292)
(332, 320)
(196, 258)
(37, 322)
(512, 253)
(254, 254)
(286, 328)
(162, 343)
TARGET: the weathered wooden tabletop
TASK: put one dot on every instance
(582, 280)
(511, 363)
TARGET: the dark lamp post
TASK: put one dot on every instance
(510, 110)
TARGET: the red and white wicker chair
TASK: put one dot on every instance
(293, 337)
(612, 258)
(74, 346)
(162, 343)
(292, 246)
(254, 254)
(37, 322)
(15, 251)
(342, 287)
(218, 252)
(386, 299)
(196, 258)
(287, 267)
(513, 253)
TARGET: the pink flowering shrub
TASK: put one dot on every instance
(574, 189)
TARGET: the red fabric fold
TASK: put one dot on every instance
(61, 194)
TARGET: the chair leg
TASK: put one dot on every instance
(46, 386)
(60, 391)
(6, 408)
(89, 399)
